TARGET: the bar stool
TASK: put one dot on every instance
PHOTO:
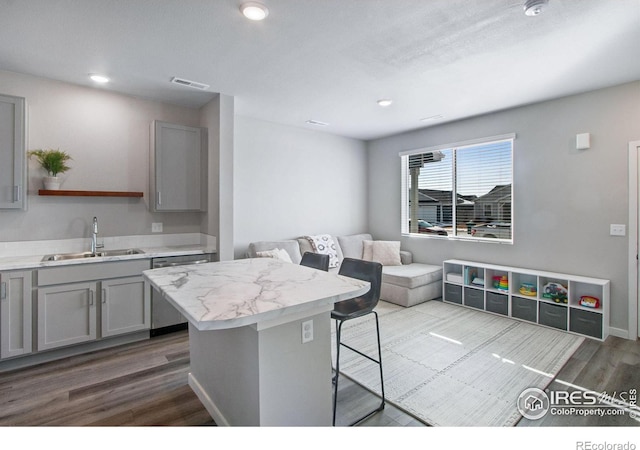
(355, 308)
(315, 260)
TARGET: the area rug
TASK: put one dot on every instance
(447, 365)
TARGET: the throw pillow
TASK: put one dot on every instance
(276, 253)
(367, 250)
(325, 245)
(386, 253)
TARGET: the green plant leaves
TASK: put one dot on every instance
(53, 161)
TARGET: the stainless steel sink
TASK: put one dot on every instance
(82, 255)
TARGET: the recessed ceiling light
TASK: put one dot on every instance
(98, 78)
(254, 11)
(385, 102)
(316, 123)
(534, 7)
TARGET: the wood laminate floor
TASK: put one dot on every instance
(145, 384)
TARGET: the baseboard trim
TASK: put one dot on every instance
(621, 333)
(206, 401)
(31, 359)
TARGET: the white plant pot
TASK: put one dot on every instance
(51, 183)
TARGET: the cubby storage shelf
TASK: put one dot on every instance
(544, 298)
(67, 193)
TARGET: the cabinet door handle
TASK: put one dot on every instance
(3, 290)
(104, 295)
(159, 198)
(91, 297)
(17, 193)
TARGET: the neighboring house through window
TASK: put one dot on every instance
(462, 190)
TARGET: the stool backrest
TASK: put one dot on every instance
(315, 260)
(362, 270)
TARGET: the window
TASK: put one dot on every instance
(462, 191)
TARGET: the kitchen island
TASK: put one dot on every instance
(259, 337)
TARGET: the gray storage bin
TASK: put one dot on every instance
(524, 308)
(585, 322)
(453, 293)
(497, 303)
(474, 297)
(553, 315)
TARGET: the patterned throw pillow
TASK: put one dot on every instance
(325, 245)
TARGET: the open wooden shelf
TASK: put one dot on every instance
(65, 193)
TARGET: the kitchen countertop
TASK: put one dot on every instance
(29, 254)
(231, 294)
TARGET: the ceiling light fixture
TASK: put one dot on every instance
(436, 117)
(384, 102)
(534, 7)
(316, 123)
(254, 10)
(98, 78)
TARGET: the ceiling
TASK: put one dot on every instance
(331, 60)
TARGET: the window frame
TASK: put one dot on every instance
(405, 176)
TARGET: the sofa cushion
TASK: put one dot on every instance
(290, 246)
(406, 257)
(411, 275)
(410, 297)
(351, 245)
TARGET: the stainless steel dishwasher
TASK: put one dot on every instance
(165, 318)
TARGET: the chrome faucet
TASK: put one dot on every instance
(94, 236)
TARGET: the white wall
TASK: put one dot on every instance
(564, 199)
(107, 135)
(218, 117)
(290, 182)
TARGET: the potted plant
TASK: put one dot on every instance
(54, 162)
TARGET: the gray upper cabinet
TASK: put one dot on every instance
(178, 163)
(13, 156)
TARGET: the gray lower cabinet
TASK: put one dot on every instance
(13, 159)
(15, 313)
(126, 306)
(66, 315)
(86, 302)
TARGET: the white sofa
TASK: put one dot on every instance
(407, 284)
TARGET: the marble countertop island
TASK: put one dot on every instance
(259, 337)
(236, 293)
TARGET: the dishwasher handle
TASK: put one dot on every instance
(161, 264)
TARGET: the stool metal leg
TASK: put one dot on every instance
(379, 362)
(335, 378)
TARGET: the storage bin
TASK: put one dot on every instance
(497, 303)
(453, 293)
(585, 322)
(474, 297)
(553, 315)
(525, 309)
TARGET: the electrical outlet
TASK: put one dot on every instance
(307, 331)
(617, 230)
(156, 227)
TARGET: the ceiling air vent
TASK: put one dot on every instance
(193, 84)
